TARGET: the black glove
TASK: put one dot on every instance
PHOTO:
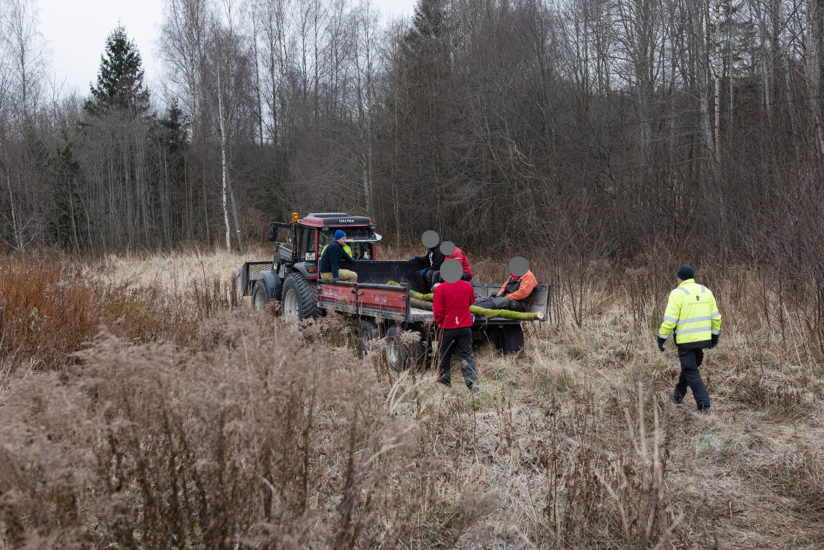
(661, 343)
(714, 340)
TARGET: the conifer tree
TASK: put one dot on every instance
(120, 78)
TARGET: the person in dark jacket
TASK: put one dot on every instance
(429, 264)
(430, 275)
(330, 260)
(450, 306)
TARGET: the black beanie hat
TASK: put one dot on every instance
(685, 272)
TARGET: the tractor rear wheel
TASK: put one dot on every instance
(299, 297)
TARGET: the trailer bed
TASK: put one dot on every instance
(392, 302)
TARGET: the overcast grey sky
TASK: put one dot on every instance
(75, 32)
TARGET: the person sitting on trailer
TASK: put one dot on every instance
(451, 252)
(330, 260)
(517, 292)
(431, 264)
(346, 248)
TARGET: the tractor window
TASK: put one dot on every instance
(359, 239)
(307, 245)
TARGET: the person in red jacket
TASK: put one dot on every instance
(451, 252)
(457, 254)
(450, 305)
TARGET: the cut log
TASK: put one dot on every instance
(420, 304)
(506, 314)
(424, 301)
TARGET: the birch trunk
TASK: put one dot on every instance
(223, 170)
(717, 80)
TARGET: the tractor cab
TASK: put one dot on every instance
(307, 238)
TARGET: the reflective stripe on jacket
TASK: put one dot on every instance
(346, 249)
(330, 259)
(692, 315)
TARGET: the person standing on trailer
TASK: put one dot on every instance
(450, 306)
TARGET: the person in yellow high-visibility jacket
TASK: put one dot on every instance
(346, 248)
(692, 317)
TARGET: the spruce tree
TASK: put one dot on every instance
(120, 78)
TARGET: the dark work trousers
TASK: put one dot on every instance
(420, 282)
(690, 361)
(499, 302)
(433, 277)
(459, 341)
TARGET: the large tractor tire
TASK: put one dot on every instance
(299, 297)
(259, 297)
(513, 339)
(401, 356)
(368, 332)
(266, 289)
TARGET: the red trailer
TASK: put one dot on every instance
(379, 309)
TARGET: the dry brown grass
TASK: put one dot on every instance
(225, 428)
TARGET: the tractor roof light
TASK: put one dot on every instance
(294, 217)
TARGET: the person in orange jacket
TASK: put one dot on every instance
(515, 295)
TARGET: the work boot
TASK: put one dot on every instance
(703, 410)
(473, 388)
(675, 398)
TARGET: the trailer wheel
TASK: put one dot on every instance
(401, 356)
(299, 297)
(495, 337)
(368, 332)
(513, 339)
(259, 297)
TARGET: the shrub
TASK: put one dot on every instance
(267, 444)
(50, 308)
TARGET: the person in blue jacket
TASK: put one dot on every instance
(330, 260)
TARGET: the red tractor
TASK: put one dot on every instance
(380, 310)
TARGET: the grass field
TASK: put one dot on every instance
(144, 405)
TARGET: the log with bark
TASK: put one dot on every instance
(424, 301)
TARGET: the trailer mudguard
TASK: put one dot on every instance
(274, 285)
